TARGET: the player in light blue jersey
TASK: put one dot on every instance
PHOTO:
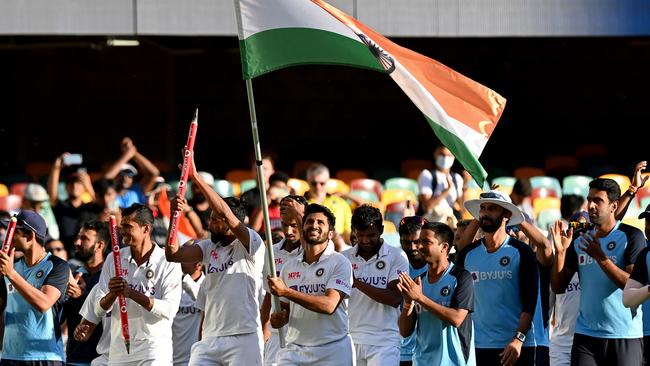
(409, 237)
(606, 333)
(506, 283)
(32, 290)
(441, 300)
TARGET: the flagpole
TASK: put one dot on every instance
(264, 200)
(261, 183)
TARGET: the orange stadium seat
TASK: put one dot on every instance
(300, 168)
(239, 175)
(19, 188)
(561, 163)
(348, 175)
(4, 191)
(36, 170)
(524, 172)
(411, 168)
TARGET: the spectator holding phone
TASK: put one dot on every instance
(68, 211)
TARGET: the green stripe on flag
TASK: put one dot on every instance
(461, 152)
(275, 49)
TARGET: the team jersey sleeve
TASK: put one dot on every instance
(167, 306)
(640, 271)
(463, 297)
(341, 278)
(635, 245)
(87, 310)
(58, 276)
(200, 298)
(528, 280)
(102, 284)
(400, 264)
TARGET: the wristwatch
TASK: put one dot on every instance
(521, 337)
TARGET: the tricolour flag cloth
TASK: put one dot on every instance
(279, 33)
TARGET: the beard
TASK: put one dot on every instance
(320, 239)
(489, 225)
(199, 198)
(85, 255)
(218, 238)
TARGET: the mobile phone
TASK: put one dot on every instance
(576, 225)
(408, 203)
(72, 159)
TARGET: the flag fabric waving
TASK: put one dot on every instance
(275, 34)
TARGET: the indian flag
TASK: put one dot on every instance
(275, 34)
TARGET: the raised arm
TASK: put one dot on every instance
(148, 170)
(544, 250)
(220, 208)
(560, 273)
(637, 181)
(53, 179)
(128, 152)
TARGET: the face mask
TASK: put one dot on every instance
(444, 162)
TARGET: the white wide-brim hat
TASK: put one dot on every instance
(498, 198)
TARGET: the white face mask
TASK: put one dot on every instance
(444, 162)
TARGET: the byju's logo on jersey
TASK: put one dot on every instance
(445, 291)
(584, 259)
(381, 264)
(611, 245)
(504, 261)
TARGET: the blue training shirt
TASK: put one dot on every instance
(640, 274)
(407, 344)
(29, 334)
(437, 342)
(506, 283)
(602, 314)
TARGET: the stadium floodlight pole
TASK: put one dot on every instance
(261, 184)
(188, 151)
(117, 261)
(9, 236)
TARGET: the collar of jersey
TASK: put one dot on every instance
(505, 242)
(326, 253)
(155, 254)
(382, 252)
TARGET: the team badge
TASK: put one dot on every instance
(445, 291)
(504, 261)
(40, 274)
(381, 265)
(611, 245)
(149, 273)
(319, 272)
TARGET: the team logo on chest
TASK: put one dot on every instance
(40, 274)
(319, 272)
(611, 245)
(149, 273)
(504, 261)
(380, 265)
(445, 291)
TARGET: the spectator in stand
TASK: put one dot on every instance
(124, 175)
(35, 199)
(68, 212)
(276, 191)
(441, 190)
(251, 198)
(317, 177)
(104, 205)
(520, 196)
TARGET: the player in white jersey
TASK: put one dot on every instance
(87, 325)
(234, 260)
(185, 330)
(375, 298)
(152, 287)
(287, 249)
(314, 288)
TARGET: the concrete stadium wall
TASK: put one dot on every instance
(406, 18)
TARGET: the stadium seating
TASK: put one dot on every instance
(4, 191)
(547, 217)
(299, 186)
(622, 180)
(247, 184)
(576, 184)
(505, 183)
(337, 186)
(397, 195)
(548, 183)
(347, 175)
(528, 172)
(369, 185)
(542, 204)
(224, 188)
(403, 183)
(239, 175)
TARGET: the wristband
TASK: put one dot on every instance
(632, 190)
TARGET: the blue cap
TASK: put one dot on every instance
(30, 220)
